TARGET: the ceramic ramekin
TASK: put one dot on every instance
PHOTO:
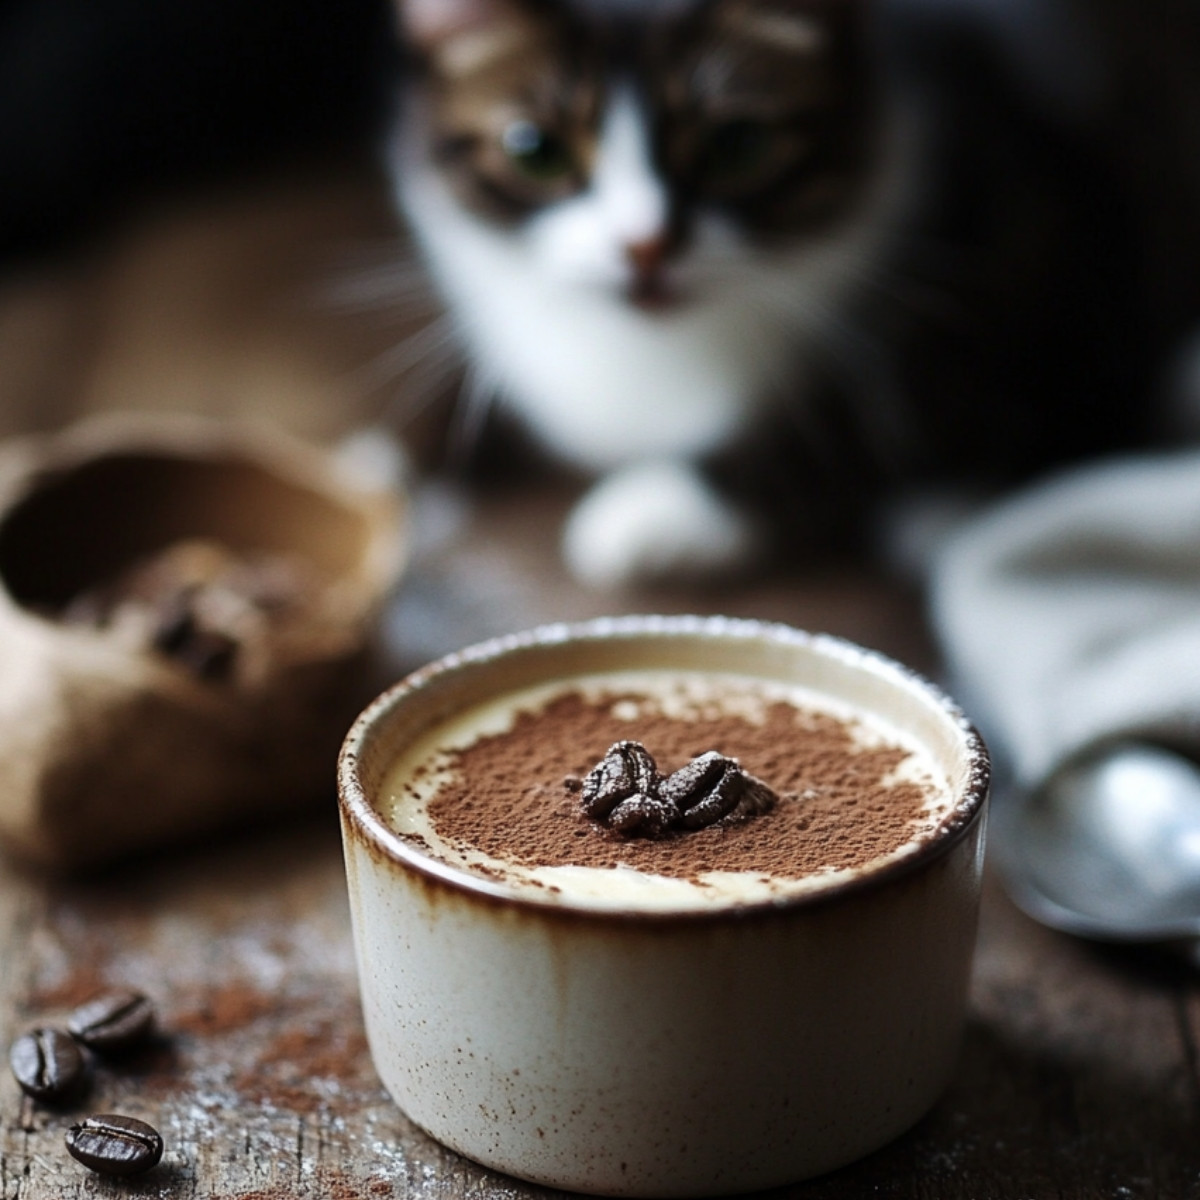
(668, 1054)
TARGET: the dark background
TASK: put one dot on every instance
(105, 103)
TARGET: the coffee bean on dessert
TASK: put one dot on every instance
(735, 793)
(626, 790)
(694, 780)
(115, 1145)
(756, 798)
(641, 815)
(625, 770)
(48, 1065)
(114, 1022)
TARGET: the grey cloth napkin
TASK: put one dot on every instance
(1069, 614)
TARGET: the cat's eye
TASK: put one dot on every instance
(743, 154)
(536, 152)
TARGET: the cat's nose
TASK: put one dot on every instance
(647, 286)
(647, 256)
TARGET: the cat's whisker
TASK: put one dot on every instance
(354, 258)
(435, 338)
(799, 306)
(862, 365)
(931, 302)
(380, 287)
(476, 396)
(936, 306)
(857, 362)
(416, 371)
(374, 275)
(931, 284)
(423, 386)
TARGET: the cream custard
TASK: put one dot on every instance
(493, 790)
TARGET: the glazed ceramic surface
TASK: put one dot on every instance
(663, 1054)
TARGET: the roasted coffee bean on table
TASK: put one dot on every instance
(114, 1022)
(112, 1144)
(48, 1065)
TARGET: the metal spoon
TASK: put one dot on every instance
(1109, 847)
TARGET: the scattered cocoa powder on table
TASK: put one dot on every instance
(839, 809)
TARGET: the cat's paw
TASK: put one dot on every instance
(656, 522)
(372, 459)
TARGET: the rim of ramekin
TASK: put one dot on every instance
(363, 816)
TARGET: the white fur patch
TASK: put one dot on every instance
(654, 521)
(583, 241)
(631, 196)
(372, 459)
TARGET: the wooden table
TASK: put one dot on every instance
(1078, 1076)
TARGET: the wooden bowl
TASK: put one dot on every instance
(187, 615)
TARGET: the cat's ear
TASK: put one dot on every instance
(433, 25)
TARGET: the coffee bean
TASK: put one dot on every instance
(48, 1065)
(689, 785)
(115, 1145)
(627, 769)
(114, 1022)
(625, 790)
(643, 816)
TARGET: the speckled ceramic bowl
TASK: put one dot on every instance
(663, 1054)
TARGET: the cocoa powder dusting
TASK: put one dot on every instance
(510, 796)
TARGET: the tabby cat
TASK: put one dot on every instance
(640, 217)
(686, 242)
